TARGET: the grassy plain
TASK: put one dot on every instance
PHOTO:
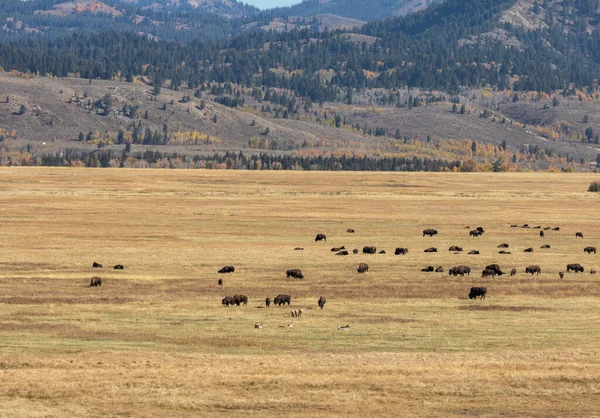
(154, 340)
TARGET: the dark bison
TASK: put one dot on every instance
(298, 249)
(428, 269)
(295, 273)
(496, 269)
(513, 272)
(514, 226)
(541, 234)
(227, 269)
(561, 275)
(477, 291)
(228, 300)
(589, 250)
(321, 237)
(455, 248)
(119, 267)
(355, 251)
(363, 267)
(344, 252)
(401, 251)
(268, 302)
(282, 299)
(577, 268)
(440, 269)
(321, 302)
(545, 246)
(533, 270)
(480, 229)
(96, 281)
(537, 227)
(547, 228)
(474, 233)
(430, 232)
(578, 234)
(503, 246)
(336, 249)
(488, 273)
(556, 228)
(240, 299)
(350, 231)
(431, 250)
(504, 252)
(528, 250)
(382, 252)
(369, 250)
(96, 265)
(460, 270)
(474, 252)
(525, 226)
(220, 282)
(592, 271)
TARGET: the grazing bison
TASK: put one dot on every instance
(363, 267)
(474, 252)
(220, 282)
(460, 270)
(227, 269)
(295, 273)
(96, 265)
(504, 252)
(281, 299)
(533, 270)
(513, 272)
(556, 228)
(488, 273)
(239, 299)
(578, 234)
(336, 249)
(119, 267)
(428, 269)
(228, 300)
(495, 268)
(369, 250)
(401, 251)
(541, 234)
(430, 232)
(431, 250)
(455, 248)
(268, 302)
(528, 250)
(577, 268)
(344, 252)
(589, 250)
(350, 231)
(477, 291)
(321, 237)
(503, 246)
(561, 274)
(474, 233)
(440, 269)
(321, 302)
(96, 281)
(382, 252)
(355, 251)
(545, 246)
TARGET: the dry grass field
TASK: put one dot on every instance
(154, 340)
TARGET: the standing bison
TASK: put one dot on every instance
(281, 299)
(401, 251)
(227, 300)
(268, 302)
(590, 250)
(363, 268)
(495, 268)
(477, 291)
(321, 302)
(295, 273)
(460, 270)
(96, 281)
(533, 270)
(369, 250)
(578, 234)
(240, 299)
(321, 237)
(513, 272)
(431, 232)
(577, 268)
(227, 269)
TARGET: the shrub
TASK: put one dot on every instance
(594, 186)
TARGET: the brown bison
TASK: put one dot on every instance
(220, 282)
(460, 270)
(431, 250)
(281, 299)
(227, 300)
(504, 252)
(577, 268)
(382, 252)
(240, 299)
(541, 234)
(295, 273)
(401, 251)
(537, 227)
(474, 252)
(513, 272)
(321, 237)
(480, 229)
(589, 250)
(547, 228)
(514, 226)
(578, 234)
(344, 252)
(430, 232)
(528, 250)
(545, 246)
(477, 291)
(96, 281)
(525, 226)
(533, 270)
(355, 251)
(336, 249)
(363, 268)
(227, 269)
(369, 250)
(96, 265)
(268, 302)
(298, 249)
(455, 248)
(428, 269)
(119, 267)
(440, 269)
(350, 231)
(556, 228)
(495, 268)
(592, 271)
(488, 273)
(503, 246)
(321, 302)
(561, 275)
(474, 233)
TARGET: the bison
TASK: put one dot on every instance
(350, 231)
(504, 252)
(589, 250)
(227, 269)
(428, 269)
(344, 252)
(382, 252)
(545, 246)
(295, 273)
(119, 267)
(321, 237)
(528, 250)
(525, 226)
(537, 227)
(401, 251)
(556, 228)
(440, 269)
(541, 234)
(561, 274)
(480, 229)
(363, 268)
(321, 302)
(96, 281)
(239, 299)
(228, 300)
(474, 252)
(220, 282)
(336, 249)
(430, 232)
(513, 272)
(578, 234)
(495, 268)
(488, 273)
(298, 249)
(455, 248)
(477, 291)
(431, 250)
(355, 251)
(533, 270)
(460, 270)
(96, 265)
(503, 246)
(547, 228)
(592, 271)
(268, 302)
(474, 233)
(577, 268)
(369, 250)
(282, 299)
